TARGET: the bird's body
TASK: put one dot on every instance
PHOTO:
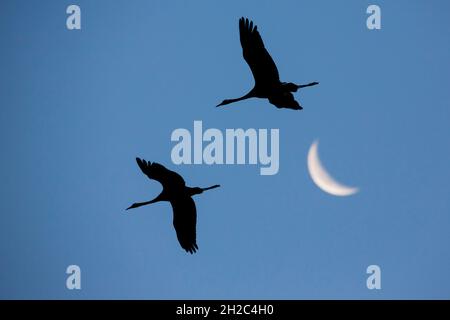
(265, 72)
(179, 195)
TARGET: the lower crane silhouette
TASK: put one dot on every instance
(179, 195)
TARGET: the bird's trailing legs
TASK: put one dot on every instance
(197, 190)
(292, 87)
(308, 85)
(212, 187)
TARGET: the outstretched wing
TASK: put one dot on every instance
(261, 63)
(285, 100)
(185, 221)
(169, 179)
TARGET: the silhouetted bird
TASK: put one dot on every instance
(267, 80)
(180, 197)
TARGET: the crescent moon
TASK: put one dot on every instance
(322, 178)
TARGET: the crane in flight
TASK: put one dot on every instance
(265, 72)
(179, 195)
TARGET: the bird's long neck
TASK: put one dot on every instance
(247, 96)
(140, 204)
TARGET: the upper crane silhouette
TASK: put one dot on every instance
(265, 72)
(180, 197)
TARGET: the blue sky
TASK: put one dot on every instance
(78, 106)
